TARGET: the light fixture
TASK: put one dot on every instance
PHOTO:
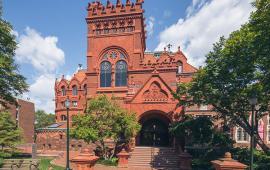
(67, 103)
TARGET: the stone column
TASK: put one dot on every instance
(185, 161)
(85, 161)
(123, 159)
(227, 163)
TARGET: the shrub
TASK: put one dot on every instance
(1, 162)
(261, 160)
(109, 162)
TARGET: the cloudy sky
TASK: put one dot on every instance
(51, 34)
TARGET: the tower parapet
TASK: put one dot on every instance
(97, 9)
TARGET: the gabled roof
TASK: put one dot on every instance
(155, 78)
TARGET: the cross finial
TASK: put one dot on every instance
(169, 47)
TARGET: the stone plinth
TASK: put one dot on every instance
(85, 161)
(185, 161)
(227, 163)
(123, 159)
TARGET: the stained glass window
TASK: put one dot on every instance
(122, 56)
(121, 74)
(105, 74)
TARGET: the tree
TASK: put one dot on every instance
(235, 69)
(10, 135)
(202, 140)
(12, 83)
(105, 119)
(42, 119)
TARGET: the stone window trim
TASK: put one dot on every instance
(74, 104)
(113, 56)
(242, 140)
(74, 90)
(63, 91)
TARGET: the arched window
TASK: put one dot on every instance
(241, 135)
(105, 74)
(121, 74)
(63, 91)
(74, 90)
(179, 67)
(63, 117)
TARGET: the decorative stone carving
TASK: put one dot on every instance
(155, 93)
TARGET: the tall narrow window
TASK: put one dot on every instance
(121, 74)
(74, 90)
(63, 91)
(105, 74)
(85, 89)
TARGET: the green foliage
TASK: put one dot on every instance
(261, 160)
(1, 162)
(5, 154)
(197, 130)
(235, 69)
(105, 119)
(109, 162)
(10, 135)
(42, 119)
(202, 141)
(11, 82)
(45, 164)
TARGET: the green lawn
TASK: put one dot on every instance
(45, 164)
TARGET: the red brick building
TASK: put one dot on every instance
(24, 114)
(117, 65)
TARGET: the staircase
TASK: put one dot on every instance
(20, 164)
(156, 158)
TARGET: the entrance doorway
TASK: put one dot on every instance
(155, 131)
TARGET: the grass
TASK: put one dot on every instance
(45, 164)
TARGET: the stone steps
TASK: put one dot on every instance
(19, 164)
(161, 158)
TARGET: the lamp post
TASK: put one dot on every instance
(252, 102)
(67, 104)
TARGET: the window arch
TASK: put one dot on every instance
(121, 73)
(241, 135)
(105, 74)
(63, 117)
(74, 90)
(63, 90)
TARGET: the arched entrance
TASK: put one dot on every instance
(155, 129)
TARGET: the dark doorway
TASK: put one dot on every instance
(154, 132)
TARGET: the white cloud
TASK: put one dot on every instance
(195, 7)
(150, 25)
(45, 57)
(199, 30)
(41, 52)
(41, 92)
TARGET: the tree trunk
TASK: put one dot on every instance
(259, 141)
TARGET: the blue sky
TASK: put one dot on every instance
(51, 34)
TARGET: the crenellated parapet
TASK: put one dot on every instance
(116, 18)
(97, 9)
